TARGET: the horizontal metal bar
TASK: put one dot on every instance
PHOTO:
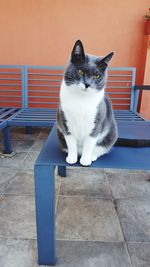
(122, 104)
(42, 102)
(45, 74)
(119, 87)
(126, 115)
(118, 93)
(10, 101)
(27, 115)
(31, 123)
(47, 67)
(46, 112)
(31, 119)
(44, 80)
(142, 87)
(8, 112)
(43, 85)
(10, 79)
(124, 111)
(122, 68)
(43, 91)
(11, 90)
(47, 97)
(126, 119)
(10, 73)
(38, 109)
(10, 66)
(12, 84)
(3, 110)
(37, 114)
(8, 96)
(119, 98)
(119, 75)
(118, 81)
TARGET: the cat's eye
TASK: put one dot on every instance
(81, 72)
(97, 76)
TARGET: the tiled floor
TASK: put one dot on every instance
(103, 217)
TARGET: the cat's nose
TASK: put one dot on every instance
(87, 85)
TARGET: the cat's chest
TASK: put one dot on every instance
(80, 117)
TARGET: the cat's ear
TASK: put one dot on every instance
(103, 63)
(78, 55)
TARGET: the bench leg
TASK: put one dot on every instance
(62, 171)
(45, 213)
(7, 142)
(29, 130)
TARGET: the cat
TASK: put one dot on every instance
(85, 121)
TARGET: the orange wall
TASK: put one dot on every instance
(42, 32)
(145, 100)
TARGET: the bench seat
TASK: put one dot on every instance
(51, 157)
(5, 115)
(34, 117)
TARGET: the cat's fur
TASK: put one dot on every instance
(85, 120)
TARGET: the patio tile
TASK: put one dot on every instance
(22, 145)
(19, 145)
(6, 174)
(18, 133)
(23, 184)
(38, 145)
(18, 253)
(140, 254)
(129, 184)
(17, 217)
(91, 254)
(15, 160)
(83, 218)
(43, 135)
(29, 161)
(134, 215)
(120, 171)
(85, 181)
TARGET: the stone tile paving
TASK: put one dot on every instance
(102, 216)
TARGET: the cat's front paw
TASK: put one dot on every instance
(85, 161)
(94, 157)
(71, 159)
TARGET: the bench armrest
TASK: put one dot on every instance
(142, 87)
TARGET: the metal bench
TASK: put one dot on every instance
(28, 97)
(41, 86)
(10, 99)
(124, 95)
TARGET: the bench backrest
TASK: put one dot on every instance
(11, 86)
(38, 86)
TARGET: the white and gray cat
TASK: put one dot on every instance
(85, 120)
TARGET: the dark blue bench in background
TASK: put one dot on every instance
(10, 99)
(28, 98)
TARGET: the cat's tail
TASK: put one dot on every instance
(132, 142)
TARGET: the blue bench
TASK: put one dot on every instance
(124, 95)
(28, 97)
(10, 99)
(41, 86)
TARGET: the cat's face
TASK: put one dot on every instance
(86, 73)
